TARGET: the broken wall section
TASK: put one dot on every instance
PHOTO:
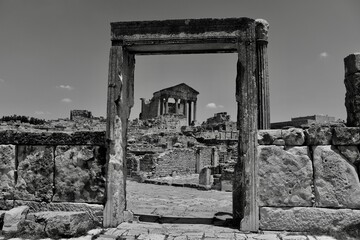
(53, 171)
(308, 178)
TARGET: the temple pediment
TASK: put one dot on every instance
(180, 91)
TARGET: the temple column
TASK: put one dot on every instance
(262, 74)
(159, 107)
(166, 105)
(176, 106)
(194, 111)
(189, 113)
(185, 108)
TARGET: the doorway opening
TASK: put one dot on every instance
(244, 36)
(166, 152)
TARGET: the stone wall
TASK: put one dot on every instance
(53, 171)
(178, 160)
(308, 179)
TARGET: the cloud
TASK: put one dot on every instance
(214, 106)
(66, 100)
(323, 55)
(2, 80)
(68, 87)
(211, 105)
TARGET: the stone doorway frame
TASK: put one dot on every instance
(245, 36)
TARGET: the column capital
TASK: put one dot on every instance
(261, 30)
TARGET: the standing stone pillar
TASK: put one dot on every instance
(198, 166)
(352, 84)
(245, 199)
(142, 107)
(176, 106)
(166, 105)
(262, 74)
(159, 107)
(194, 111)
(189, 113)
(119, 103)
(185, 108)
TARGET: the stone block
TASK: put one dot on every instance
(59, 224)
(351, 153)
(352, 64)
(95, 211)
(315, 220)
(285, 176)
(318, 135)
(79, 174)
(346, 136)
(293, 136)
(35, 173)
(226, 185)
(336, 181)
(52, 138)
(268, 136)
(6, 204)
(7, 170)
(205, 177)
(14, 219)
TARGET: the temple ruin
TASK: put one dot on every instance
(184, 97)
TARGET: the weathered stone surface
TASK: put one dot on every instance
(6, 204)
(80, 174)
(352, 63)
(279, 142)
(351, 153)
(317, 220)
(52, 138)
(179, 29)
(35, 173)
(7, 169)
(180, 160)
(352, 100)
(268, 136)
(318, 135)
(14, 218)
(346, 136)
(59, 224)
(205, 177)
(335, 179)
(95, 211)
(293, 136)
(2, 215)
(285, 176)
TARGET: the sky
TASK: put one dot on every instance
(54, 55)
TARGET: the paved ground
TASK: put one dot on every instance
(177, 213)
(170, 201)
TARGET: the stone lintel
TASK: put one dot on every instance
(181, 36)
(52, 138)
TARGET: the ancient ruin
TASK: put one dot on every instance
(244, 36)
(305, 121)
(303, 179)
(184, 96)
